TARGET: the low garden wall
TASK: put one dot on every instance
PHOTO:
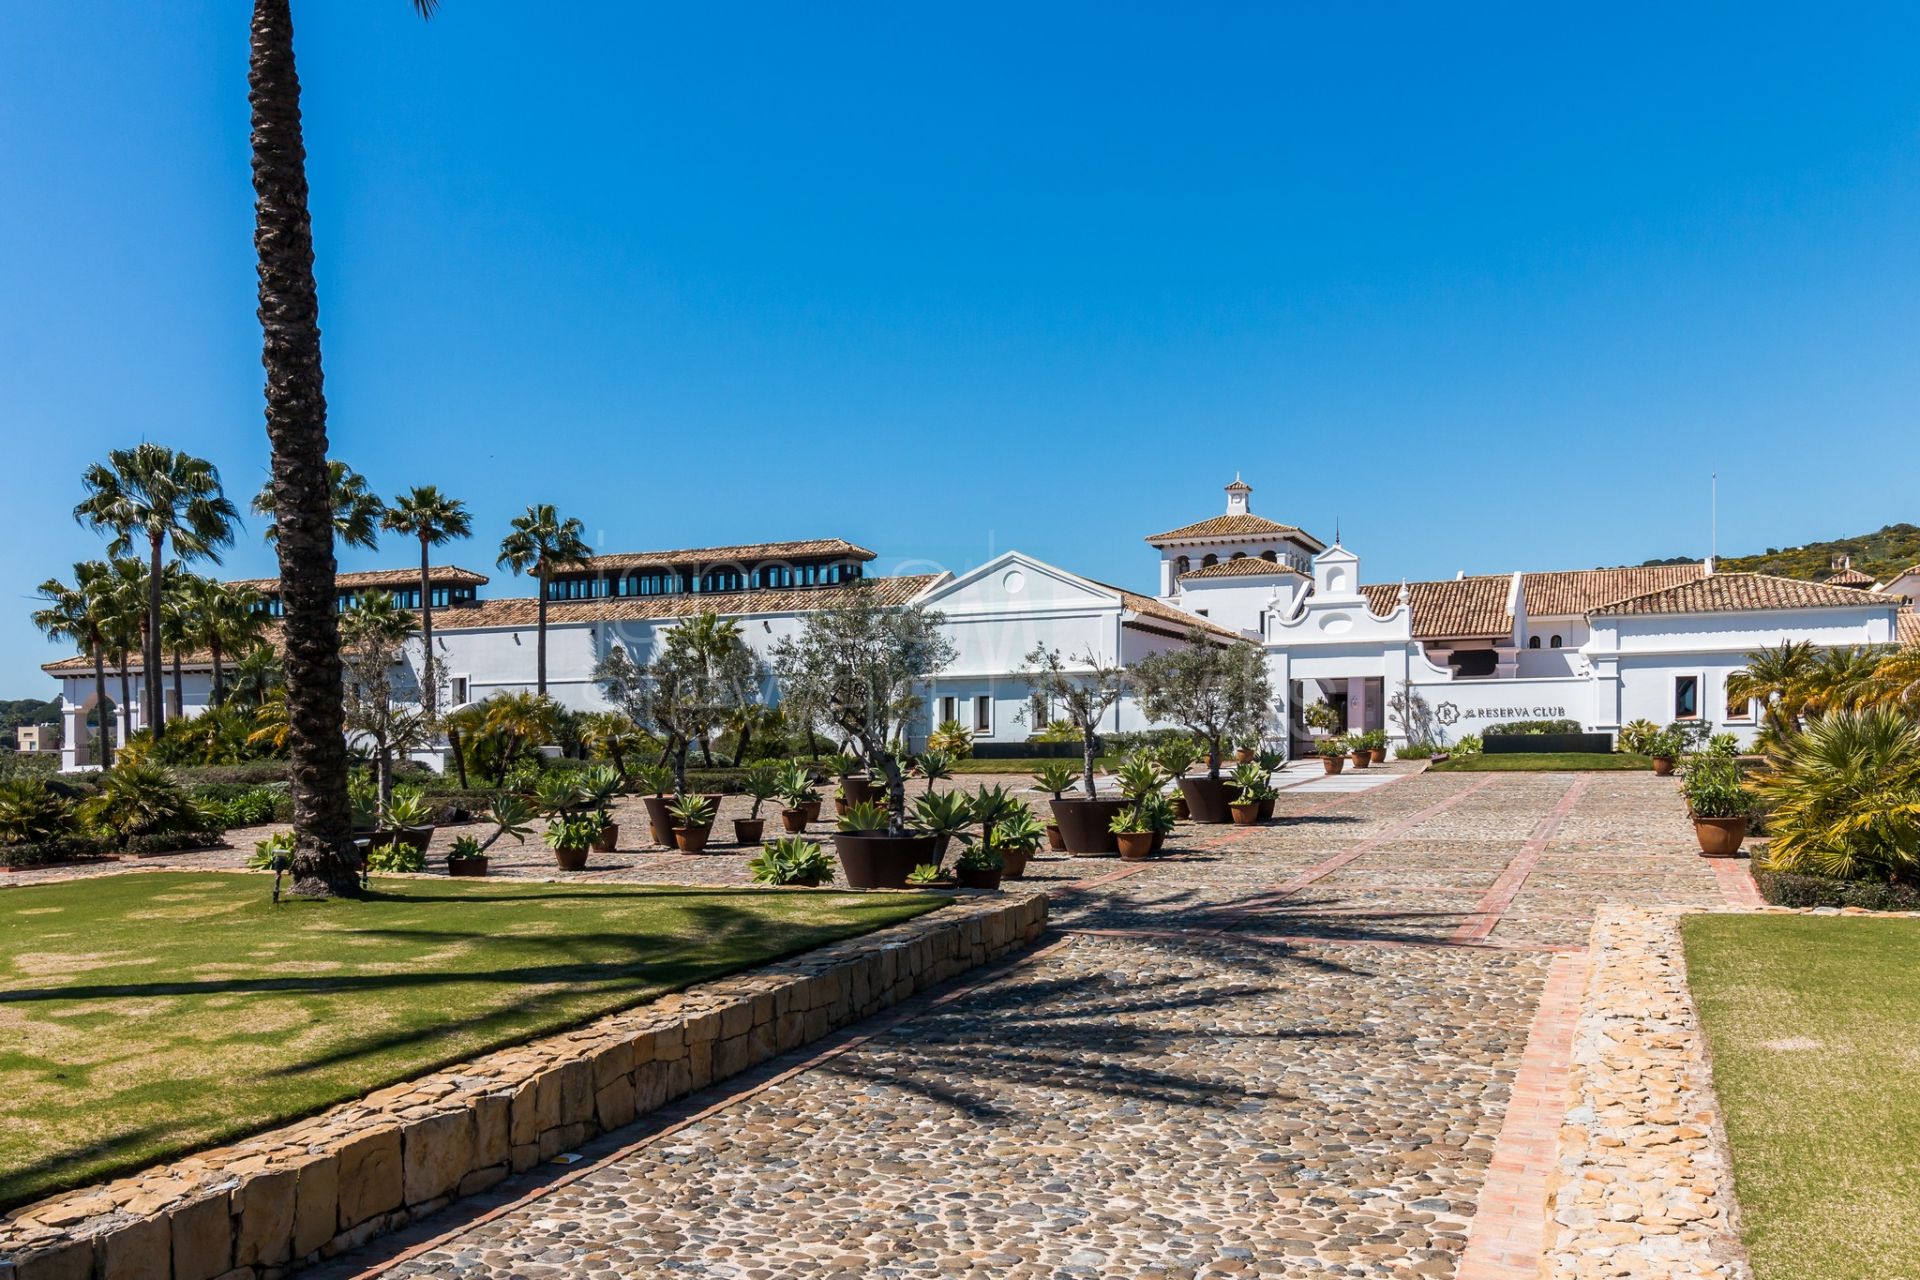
(268, 1204)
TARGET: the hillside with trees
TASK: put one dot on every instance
(1881, 554)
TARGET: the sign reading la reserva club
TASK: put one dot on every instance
(1453, 713)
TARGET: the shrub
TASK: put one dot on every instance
(1712, 788)
(1844, 798)
(173, 841)
(1468, 745)
(1636, 736)
(1786, 889)
(952, 738)
(395, 856)
(242, 806)
(31, 812)
(1535, 726)
(791, 860)
(1127, 742)
(42, 853)
(144, 800)
(1415, 751)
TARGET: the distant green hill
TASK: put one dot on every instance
(1881, 554)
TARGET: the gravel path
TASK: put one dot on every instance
(1284, 1050)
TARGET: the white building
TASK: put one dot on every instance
(1602, 647)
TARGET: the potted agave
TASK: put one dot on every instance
(692, 822)
(1175, 756)
(980, 866)
(511, 815)
(601, 785)
(1017, 836)
(656, 784)
(794, 791)
(1718, 804)
(761, 784)
(1251, 782)
(1132, 834)
(873, 857)
(928, 875)
(410, 818)
(1138, 777)
(571, 838)
(1243, 752)
(791, 860)
(1054, 777)
(942, 815)
(933, 766)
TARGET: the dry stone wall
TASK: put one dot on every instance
(264, 1206)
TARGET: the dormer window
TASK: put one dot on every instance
(1209, 560)
(1182, 564)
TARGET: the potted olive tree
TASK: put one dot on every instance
(702, 678)
(854, 667)
(1219, 690)
(1081, 691)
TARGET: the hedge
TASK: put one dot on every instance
(1788, 889)
(46, 852)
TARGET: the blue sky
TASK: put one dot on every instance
(1494, 286)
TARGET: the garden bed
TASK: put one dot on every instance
(1542, 762)
(151, 1015)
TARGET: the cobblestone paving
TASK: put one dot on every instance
(1202, 1075)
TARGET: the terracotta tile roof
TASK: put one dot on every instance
(1244, 567)
(523, 611)
(443, 574)
(198, 660)
(1848, 578)
(1178, 619)
(1906, 626)
(1455, 607)
(1578, 592)
(1741, 593)
(1240, 526)
(807, 549)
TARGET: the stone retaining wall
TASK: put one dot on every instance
(1642, 1188)
(261, 1207)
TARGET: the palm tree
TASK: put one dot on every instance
(226, 619)
(165, 496)
(1844, 797)
(75, 615)
(1896, 681)
(542, 544)
(256, 676)
(611, 735)
(177, 627)
(357, 510)
(1775, 678)
(430, 516)
(121, 586)
(323, 859)
(1841, 679)
(519, 720)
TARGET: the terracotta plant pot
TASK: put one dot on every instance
(1245, 814)
(1720, 837)
(570, 859)
(1016, 860)
(840, 807)
(1055, 841)
(466, 866)
(1135, 846)
(1084, 824)
(748, 830)
(691, 839)
(793, 821)
(813, 809)
(982, 878)
(659, 819)
(1242, 755)
(1333, 764)
(1179, 804)
(880, 861)
(1360, 759)
(1663, 766)
(608, 840)
(1208, 799)
(1378, 755)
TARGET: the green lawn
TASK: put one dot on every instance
(142, 1016)
(1541, 762)
(1814, 1024)
(1024, 764)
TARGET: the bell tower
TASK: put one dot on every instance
(1237, 494)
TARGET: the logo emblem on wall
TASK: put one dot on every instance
(1447, 713)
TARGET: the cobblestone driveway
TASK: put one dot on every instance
(1279, 1051)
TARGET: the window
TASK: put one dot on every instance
(1238, 555)
(1209, 560)
(1533, 642)
(983, 715)
(1556, 642)
(949, 710)
(1686, 697)
(1181, 565)
(1038, 712)
(1200, 613)
(1739, 708)
(1270, 556)
(458, 689)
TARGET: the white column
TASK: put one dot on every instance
(73, 741)
(1356, 703)
(1166, 576)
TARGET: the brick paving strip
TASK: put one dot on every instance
(1734, 877)
(1501, 894)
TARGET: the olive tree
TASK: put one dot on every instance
(853, 669)
(1216, 688)
(699, 681)
(1083, 692)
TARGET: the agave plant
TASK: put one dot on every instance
(1020, 830)
(865, 818)
(935, 765)
(1844, 798)
(1139, 774)
(762, 784)
(694, 813)
(560, 795)
(791, 860)
(991, 806)
(943, 813)
(1055, 777)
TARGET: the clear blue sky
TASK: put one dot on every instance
(1494, 286)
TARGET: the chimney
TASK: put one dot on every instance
(1841, 562)
(1237, 496)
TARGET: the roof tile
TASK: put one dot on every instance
(1741, 593)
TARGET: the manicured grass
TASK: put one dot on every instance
(1023, 764)
(1814, 1024)
(146, 1015)
(1542, 762)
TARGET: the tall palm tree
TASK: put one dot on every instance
(357, 509)
(121, 586)
(177, 628)
(1776, 679)
(541, 543)
(163, 496)
(226, 620)
(425, 513)
(323, 861)
(75, 615)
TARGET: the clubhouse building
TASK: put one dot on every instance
(1600, 646)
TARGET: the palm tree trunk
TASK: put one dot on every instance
(99, 705)
(540, 638)
(459, 756)
(323, 858)
(219, 694)
(126, 703)
(428, 691)
(179, 708)
(156, 713)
